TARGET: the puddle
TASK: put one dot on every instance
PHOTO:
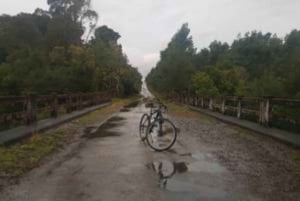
(179, 176)
(107, 129)
(166, 170)
(206, 167)
(172, 151)
(88, 130)
(186, 154)
(124, 110)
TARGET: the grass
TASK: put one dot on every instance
(102, 114)
(18, 158)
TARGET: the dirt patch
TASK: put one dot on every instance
(149, 105)
(132, 104)
(106, 130)
(124, 110)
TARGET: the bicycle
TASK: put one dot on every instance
(159, 132)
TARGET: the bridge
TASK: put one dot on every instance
(105, 159)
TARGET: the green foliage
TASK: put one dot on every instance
(203, 85)
(255, 64)
(175, 69)
(21, 157)
(44, 53)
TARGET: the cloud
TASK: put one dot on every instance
(147, 26)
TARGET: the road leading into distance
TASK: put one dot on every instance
(210, 161)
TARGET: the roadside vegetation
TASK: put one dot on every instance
(255, 64)
(61, 50)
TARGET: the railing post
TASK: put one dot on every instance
(223, 105)
(95, 97)
(211, 101)
(30, 109)
(197, 101)
(54, 106)
(202, 102)
(69, 103)
(261, 109)
(265, 111)
(239, 108)
(79, 101)
(185, 99)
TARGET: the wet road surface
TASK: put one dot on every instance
(112, 164)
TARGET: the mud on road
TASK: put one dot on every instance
(210, 161)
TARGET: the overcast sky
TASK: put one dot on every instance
(147, 26)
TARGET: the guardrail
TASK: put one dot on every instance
(282, 113)
(18, 110)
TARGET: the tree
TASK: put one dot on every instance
(203, 85)
(44, 53)
(78, 11)
(255, 64)
(175, 68)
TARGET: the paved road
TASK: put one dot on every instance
(112, 164)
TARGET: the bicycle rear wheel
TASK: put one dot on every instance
(161, 135)
(144, 123)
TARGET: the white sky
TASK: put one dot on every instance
(147, 26)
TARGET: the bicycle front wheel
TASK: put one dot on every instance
(161, 135)
(144, 123)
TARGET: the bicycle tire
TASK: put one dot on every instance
(149, 135)
(144, 123)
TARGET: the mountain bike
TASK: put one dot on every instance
(159, 132)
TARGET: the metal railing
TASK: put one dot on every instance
(18, 110)
(282, 113)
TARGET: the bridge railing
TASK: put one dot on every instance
(19, 110)
(283, 113)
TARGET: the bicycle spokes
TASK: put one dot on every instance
(161, 136)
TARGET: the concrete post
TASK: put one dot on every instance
(79, 99)
(197, 101)
(211, 101)
(69, 105)
(194, 100)
(261, 111)
(30, 109)
(223, 106)
(239, 108)
(54, 106)
(267, 112)
(264, 111)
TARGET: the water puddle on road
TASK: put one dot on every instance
(106, 130)
(195, 180)
(166, 170)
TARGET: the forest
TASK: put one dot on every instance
(255, 64)
(61, 50)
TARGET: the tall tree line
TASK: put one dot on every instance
(62, 50)
(255, 64)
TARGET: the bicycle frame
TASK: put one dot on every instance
(158, 116)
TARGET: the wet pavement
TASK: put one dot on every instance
(112, 164)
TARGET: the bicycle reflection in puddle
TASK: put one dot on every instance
(166, 170)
